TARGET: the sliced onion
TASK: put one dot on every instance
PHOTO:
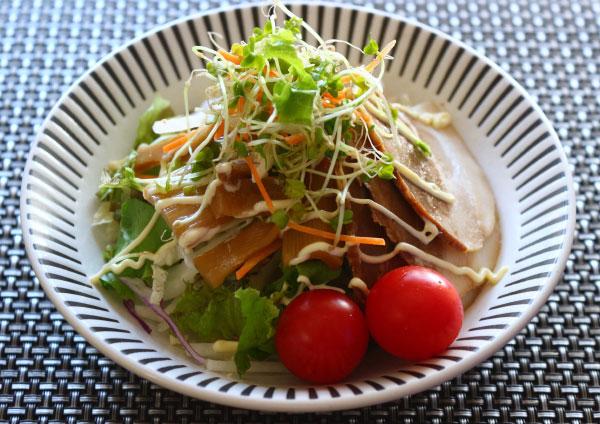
(158, 310)
(130, 306)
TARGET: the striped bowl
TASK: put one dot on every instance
(95, 121)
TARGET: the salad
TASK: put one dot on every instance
(297, 211)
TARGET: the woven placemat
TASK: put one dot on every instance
(550, 372)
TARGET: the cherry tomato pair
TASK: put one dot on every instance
(412, 312)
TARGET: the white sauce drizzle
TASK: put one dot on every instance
(360, 285)
(232, 188)
(211, 189)
(261, 207)
(177, 200)
(427, 186)
(196, 235)
(438, 120)
(303, 279)
(166, 255)
(318, 246)
(224, 168)
(484, 274)
(123, 253)
(425, 236)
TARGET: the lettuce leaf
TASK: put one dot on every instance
(111, 282)
(119, 185)
(317, 271)
(135, 215)
(211, 314)
(294, 103)
(256, 338)
(159, 109)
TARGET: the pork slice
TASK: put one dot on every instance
(386, 194)
(468, 220)
(363, 224)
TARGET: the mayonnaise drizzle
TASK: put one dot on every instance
(211, 189)
(425, 236)
(303, 279)
(484, 274)
(123, 260)
(427, 186)
(360, 285)
(193, 236)
(123, 253)
(261, 207)
(318, 246)
(177, 200)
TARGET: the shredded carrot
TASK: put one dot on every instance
(259, 95)
(233, 58)
(145, 176)
(261, 187)
(329, 100)
(294, 139)
(176, 143)
(376, 241)
(256, 258)
(272, 72)
(239, 107)
(365, 117)
(220, 131)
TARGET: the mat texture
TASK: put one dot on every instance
(550, 373)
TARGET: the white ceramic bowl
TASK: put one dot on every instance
(95, 122)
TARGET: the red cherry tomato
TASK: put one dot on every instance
(321, 336)
(414, 312)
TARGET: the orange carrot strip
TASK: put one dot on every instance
(294, 139)
(272, 72)
(233, 58)
(220, 131)
(145, 176)
(255, 259)
(240, 105)
(261, 187)
(329, 100)
(375, 241)
(175, 144)
(365, 117)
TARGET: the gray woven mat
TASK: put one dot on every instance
(549, 373)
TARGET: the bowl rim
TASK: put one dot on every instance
(320, 404)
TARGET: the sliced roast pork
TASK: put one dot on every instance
(387, 195)
(363, 223)
(468, 220)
